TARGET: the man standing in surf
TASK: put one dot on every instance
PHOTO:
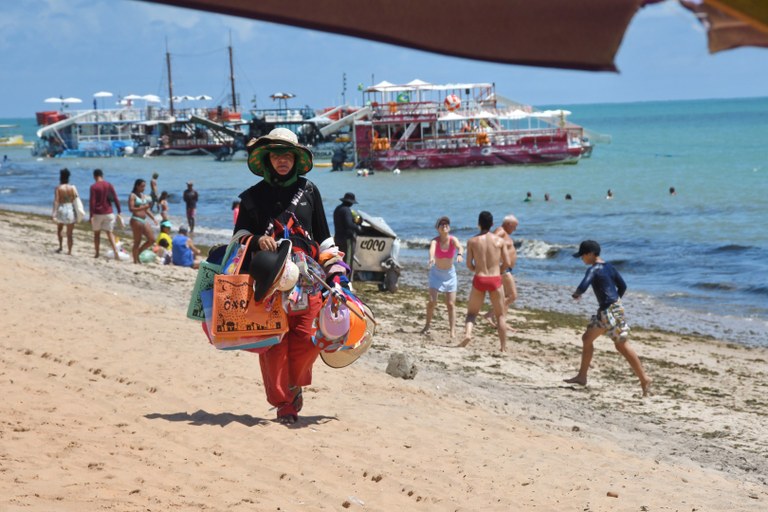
(486, 254)
(508, 226)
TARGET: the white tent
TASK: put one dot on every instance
(452, 116)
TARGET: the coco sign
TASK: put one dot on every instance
(373, 244)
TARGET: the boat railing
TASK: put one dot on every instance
(105, 137)
(111, 115)
(279, 115)
(460, 140)
(393, 112)
(191, 142)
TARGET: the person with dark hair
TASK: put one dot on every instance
(338, 158)
(64, 209)
(140, 205)
(442, 272)
(154, 197)
(609, 288)
(162, 202)
(486, 255)
(285, 197)
(190, 199)
(346, 227)
(183, 250)
(103, 196)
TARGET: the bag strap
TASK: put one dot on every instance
(240, 233)
(231, 245)
(245, 251)
(291, 208)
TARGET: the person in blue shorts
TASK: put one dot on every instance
(443, 250)
(609, 287)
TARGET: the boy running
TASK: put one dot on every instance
(609, 287)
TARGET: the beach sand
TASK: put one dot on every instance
(114, 400)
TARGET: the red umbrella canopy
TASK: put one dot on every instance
(570, 34)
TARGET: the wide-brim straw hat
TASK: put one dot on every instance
(279, 138)
(344, 357)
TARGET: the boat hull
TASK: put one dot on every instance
(12, 140)
(544, 150)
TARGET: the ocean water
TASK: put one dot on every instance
(696, 261)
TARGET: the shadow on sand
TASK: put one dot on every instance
(200, 417)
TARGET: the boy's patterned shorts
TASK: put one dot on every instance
(612, 320)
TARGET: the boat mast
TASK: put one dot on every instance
(232, 74)
(170, 80)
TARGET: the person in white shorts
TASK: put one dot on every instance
(103, 196)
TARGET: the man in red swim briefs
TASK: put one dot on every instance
(486, 254)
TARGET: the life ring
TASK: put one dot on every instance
(452, 102)
(482, 138)
(486, 151)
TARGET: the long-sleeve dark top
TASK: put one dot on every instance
(261, 203)
(344, 224)
(606, 282)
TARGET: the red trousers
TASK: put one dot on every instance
(288, 365)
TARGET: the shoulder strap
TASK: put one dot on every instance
(291, 208)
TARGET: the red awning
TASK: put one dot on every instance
(572, 34)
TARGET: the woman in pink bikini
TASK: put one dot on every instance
(442, 273)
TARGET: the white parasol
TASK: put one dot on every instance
(452, 116)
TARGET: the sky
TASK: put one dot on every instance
(54, 48)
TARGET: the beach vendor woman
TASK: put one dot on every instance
(281, 162)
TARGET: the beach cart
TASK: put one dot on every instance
(376, 251)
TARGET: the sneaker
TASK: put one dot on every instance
(287, 419)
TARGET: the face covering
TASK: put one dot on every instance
(275, 180)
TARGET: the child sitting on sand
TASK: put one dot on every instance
(163, 251)
(609, 287)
